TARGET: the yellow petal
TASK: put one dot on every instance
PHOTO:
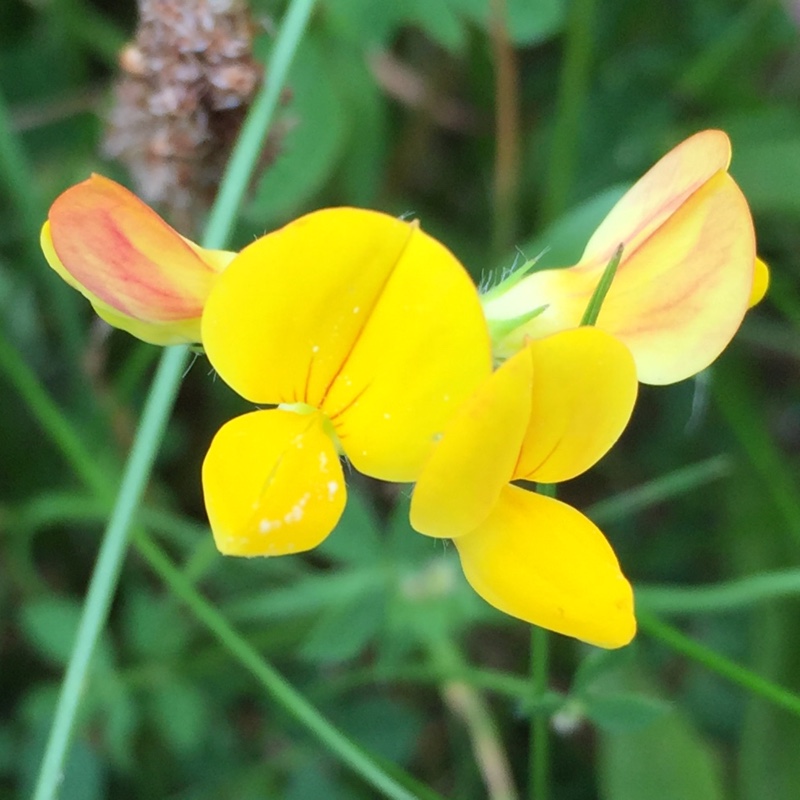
(359, 314)
(760, 283)
(272, 484)
(424, 349)
(120, 254)
(542, 561)
(677, 298)
(584, 390)
(475, 458)
(285, 315)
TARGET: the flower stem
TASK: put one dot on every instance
(539, 755)
(674, 639)
(18, 178)
(506, 163)
(49, 416)
(539, 787)
(571, 98)
(157, 410)
(106, 571)
(277, 687)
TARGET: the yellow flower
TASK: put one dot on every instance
(369, 334)
(139, 274)
(687, 276)
(547, 414)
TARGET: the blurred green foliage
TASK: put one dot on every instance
(392, 105)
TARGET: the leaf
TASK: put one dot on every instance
(311, 146)
(180, 712)
(355, 539)
(363, 162)
(768, 171)
(529, 23)
(85, 776)
(344, 631)
(663, 760)
(311, 779)
(120, 723)
(623, 711)
(362, 22)
(50, 625)
(154, 627)
(562, 243)
(309, 595)
(596, 664)
(387, 727)
(439, 20)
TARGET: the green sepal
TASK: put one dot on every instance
(500, 328)
(510, 280)
(604, 284)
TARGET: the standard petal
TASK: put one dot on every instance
(542, 561)
(476, 456)
(272, 484)
(285, 315)
(117, 250)
(424, 349)
(677, 298)
(661, 191)
(584, 390)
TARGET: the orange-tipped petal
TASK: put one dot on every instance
(659, 193)
(123, 257)
(542, 561)
(359, 314)
(272, 484)
(584, 390)
(475, 458)
(760, 283)
(677, 298)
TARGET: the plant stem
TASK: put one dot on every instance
(469, 704)
(719, 597)
(280, 691)
(158, 408)
(24, 380)
(18, 177)
(539, 746)
(539, 787)
(711, 660)
(572, 92)
(109, 562)
(657, 490)
(506, 163)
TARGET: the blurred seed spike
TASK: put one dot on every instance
(188, 79)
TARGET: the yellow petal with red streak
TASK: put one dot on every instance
(659, 193)
(118, 251)
(677, 298)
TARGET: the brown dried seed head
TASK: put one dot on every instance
(188, 79)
